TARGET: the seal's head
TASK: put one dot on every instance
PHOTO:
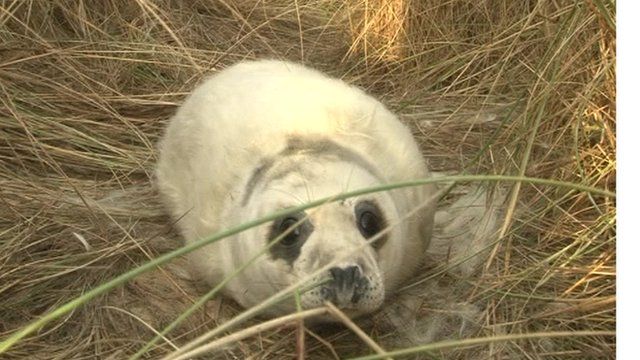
(350, 239)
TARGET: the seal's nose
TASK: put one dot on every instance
(344, 278)
(347, 286)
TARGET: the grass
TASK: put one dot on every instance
(520, 89)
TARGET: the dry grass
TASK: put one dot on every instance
(489, 87)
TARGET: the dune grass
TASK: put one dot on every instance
(506, 89)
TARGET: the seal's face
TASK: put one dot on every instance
(335, 233)
(347, 236)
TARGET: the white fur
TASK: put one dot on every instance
(245, 114)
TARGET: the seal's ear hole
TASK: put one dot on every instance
(370, 221)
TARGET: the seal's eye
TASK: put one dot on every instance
(293, 236)
(370, 221)
(292, 233)
(368, 224)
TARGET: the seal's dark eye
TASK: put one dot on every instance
(370, 221)
(368, 224)
(293, 236)
(292, 231)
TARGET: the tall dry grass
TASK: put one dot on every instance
(488, 87)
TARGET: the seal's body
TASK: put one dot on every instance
(268, 135)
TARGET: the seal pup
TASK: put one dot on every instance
(267, 135)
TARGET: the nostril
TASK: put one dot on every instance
(350, 275)
(336, 273)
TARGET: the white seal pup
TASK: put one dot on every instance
(266, 135)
